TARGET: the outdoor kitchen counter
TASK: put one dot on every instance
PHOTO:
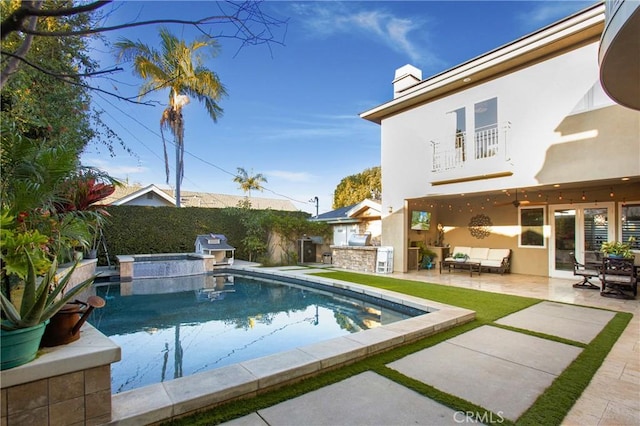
(355, 258)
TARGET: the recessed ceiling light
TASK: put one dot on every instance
(625, 178)
(466, 80)
(557, 185)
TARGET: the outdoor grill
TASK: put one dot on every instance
(359, 240)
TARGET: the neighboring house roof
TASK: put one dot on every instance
(351, 214)
(368, 208)
(134, 194)
(154, 196)
(204, 199)
(213, 242)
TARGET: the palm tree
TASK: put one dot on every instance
(247, 183)
(180, 68)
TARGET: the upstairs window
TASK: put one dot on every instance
(486, 128)
(460, 133)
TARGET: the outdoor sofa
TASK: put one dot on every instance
(490, 259)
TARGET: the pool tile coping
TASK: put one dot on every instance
(185, 395)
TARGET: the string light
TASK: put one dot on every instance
(584, 197)
(611, 194)
(560, 196)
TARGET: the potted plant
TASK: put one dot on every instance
(618, 249)
(39, 296)
(460, 257)
(428, 257)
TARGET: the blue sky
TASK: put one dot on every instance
(292, 110)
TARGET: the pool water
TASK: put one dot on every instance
(217, 321)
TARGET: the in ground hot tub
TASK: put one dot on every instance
(164, 265)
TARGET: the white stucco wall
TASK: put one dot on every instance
(562, 129)
(535, 100)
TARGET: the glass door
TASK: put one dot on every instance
(578, 230)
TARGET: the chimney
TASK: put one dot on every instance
(405, 77)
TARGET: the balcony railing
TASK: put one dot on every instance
(454, 152)
(486, 142)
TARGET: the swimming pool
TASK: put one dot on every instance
(170, 328)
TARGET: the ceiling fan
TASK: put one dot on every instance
(517, 203)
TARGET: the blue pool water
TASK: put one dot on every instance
(169, 328)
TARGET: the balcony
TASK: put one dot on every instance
(619, 47)
(457, 155)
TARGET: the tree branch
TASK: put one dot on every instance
(55, 74)
(14, 22)
(12, 64)
(70, 78)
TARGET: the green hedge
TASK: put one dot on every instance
(141, 229)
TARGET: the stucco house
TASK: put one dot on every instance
(519, 148)
(360, 218)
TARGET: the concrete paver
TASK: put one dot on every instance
(490, 368)
(557, 319)
(364, 399)
(530, 351)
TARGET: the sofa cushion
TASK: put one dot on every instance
(460, 249)
(491, 263)
(498, 254)
(478, 253)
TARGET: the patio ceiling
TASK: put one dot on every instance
(589, 191)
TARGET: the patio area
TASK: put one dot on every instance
(612, 396)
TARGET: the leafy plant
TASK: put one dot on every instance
(41, 299)
(460, 256)
(618, 248)
(428, 253)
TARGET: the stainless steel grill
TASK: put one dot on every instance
(359, 240)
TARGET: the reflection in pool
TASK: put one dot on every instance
(169, 328)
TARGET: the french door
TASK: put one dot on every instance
(580, 230)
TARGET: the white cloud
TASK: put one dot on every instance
(324, 19)
(546, 12)
(290, 176)
(114, 169)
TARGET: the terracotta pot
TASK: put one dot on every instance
(64, 326)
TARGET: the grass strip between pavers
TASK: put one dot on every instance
(549, 409)
(554, 404)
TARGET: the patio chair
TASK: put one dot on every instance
(619, 278)
(586, 272)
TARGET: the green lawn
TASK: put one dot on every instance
(550, 408)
